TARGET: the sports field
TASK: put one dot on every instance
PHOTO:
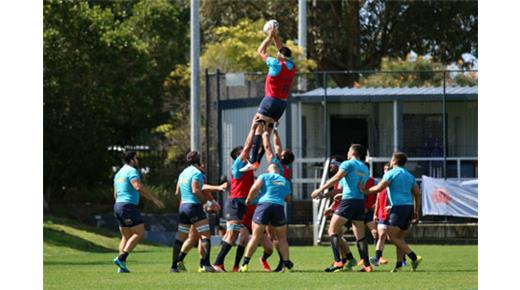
(78, 257)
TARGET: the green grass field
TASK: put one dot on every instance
(78, 257)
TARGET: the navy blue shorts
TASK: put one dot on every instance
(369, 216)
(191, 213)
(269, 214)
(235, 209)
(127, 214)
(401, 216)
(272, 107)
(352, 209)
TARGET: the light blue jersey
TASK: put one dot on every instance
(125, 192)
(235, 168)
(188, 175)
(274, 188)
(400, 186)
(356, 172)
(275, 67)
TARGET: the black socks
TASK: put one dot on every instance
(123, 256)
(412, 256)
(176, 250)
(246, 260)
(206, 248)
(240, 252)
(265, 256)
(334, 243)
(224, 250)
(362, 246)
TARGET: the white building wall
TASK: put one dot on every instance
(235, 127)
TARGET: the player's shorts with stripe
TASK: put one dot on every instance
(401, 216)
(235, 209)
(369, 216)
(127, 214)
(351, 209)
(272, 107)
(269, 214)
(190, 213)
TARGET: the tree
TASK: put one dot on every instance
(353, 35)
(104, 66)
(416, 71)
(234, 49)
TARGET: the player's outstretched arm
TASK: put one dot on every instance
(331, 182)
(267, 146)
(263, 46)
(377, 188)
(277, 143)
(416, 202)
(136, 183)
(214, 188)
(276, 39)
(178, 188)
(253, 192)
(249, 142)
(196, 189)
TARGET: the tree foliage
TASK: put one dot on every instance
(234, 49)
(416, 71)
(351, 35)
(104, 66)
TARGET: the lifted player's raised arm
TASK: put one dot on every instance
(263, 46)
(276, 39)
(277, 142)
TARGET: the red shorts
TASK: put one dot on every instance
(247, 220)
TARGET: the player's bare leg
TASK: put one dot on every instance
(137, 234)
(335, 232)
(283, 245)
(126, 233)
(244, 239)
(202, 228)
(397, 236)
(258, 233)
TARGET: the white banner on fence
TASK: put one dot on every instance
(449, 198)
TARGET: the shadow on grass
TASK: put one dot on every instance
(78, 263)
(63, 239)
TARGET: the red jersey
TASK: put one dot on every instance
(336, 203)
(240, 187)
(287, 172)
(370, 199)
(382, 200)
(279, 86)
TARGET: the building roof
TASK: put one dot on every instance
(389, 94)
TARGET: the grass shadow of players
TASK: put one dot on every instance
(63, 239)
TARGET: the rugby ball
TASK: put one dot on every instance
(270, 24)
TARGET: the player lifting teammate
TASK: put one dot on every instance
(274, 189)
(241, 183)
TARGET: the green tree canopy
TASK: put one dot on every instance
(233, 49)
(104, 66)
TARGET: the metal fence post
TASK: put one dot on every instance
(206, 125)
(219, 122)
(444, 129)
